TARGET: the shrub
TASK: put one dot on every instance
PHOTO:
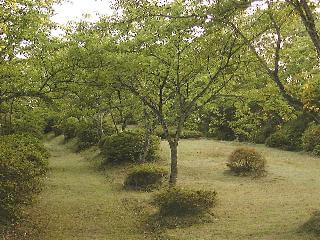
(186, 134)
(262, 134)
(70, 127)
(88, 135)
(316, 150)
(313, 224)
(311, 138)
(145, 177)
(52, 122)
(23, 163)
(284, 139)
(246, 161)
(288, 137)
(179, 201)
(31, 125)
(128, 147)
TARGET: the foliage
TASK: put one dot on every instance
(246, 161)
(88, 134)
(70, 127)
(180, 201)
(288, 137)
(128, 147)
(31, 123)
(316, 150)
(311, 137)
(23, 163)
(145, 177)
(185, 134)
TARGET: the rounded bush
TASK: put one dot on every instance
(311, 138)
(246, 161)
(128, 147)
(179, 201)
(23, 163)
(145, 177)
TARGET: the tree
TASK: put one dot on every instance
(24, 42)
(275, 39)
(172, 63)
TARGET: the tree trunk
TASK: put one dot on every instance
(174, 162)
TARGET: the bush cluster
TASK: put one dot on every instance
(128, 147)
(179, 201)
(246, 161)
(288, 137)
(23, 163)
(145, 177)
(311, 139)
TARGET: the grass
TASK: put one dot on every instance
(272, 207)
(83, 203)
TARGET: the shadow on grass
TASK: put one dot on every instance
(157, 222)
(312, 226)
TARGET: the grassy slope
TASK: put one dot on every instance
(270, 208)
(81, 203)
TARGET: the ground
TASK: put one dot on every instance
(82, 202)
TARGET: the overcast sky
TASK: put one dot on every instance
(74, 9)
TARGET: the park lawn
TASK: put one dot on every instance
(82, 202)
(270, 208)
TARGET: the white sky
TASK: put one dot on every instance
(72, 10)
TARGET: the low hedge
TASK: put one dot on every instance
(145, 177)
(23, 164)
(128, 147)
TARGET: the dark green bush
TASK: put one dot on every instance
(246, 161)
(70, 127)
(145, 177)
(311, 138)
(128, 147)
(23, 163)
(262, 134)
(88, 135)
(51, 123)
(288, 137)
(313, 224)
(179, 201)
(316, 150)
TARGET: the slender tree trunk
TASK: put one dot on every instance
(148, 127)
(174, 162)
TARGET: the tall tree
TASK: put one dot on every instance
(171, 62)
